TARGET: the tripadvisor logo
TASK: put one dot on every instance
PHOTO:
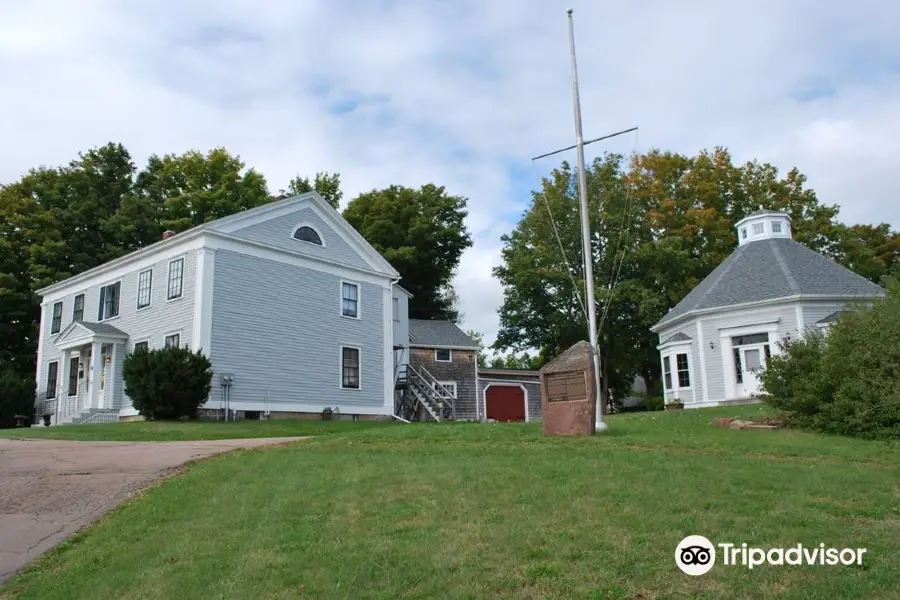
(696, 555)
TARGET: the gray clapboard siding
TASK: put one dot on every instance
(279, 232)
(813, 312)
(277, 329)
(151, 323)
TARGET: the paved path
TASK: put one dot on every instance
(50, 489)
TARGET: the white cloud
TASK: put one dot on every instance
(459, 93)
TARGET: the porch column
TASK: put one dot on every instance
(96, 373)
(63, 392)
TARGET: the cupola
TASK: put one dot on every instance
(763, 225)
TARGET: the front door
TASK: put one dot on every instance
(752, 363)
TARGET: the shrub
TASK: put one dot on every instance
(848, 382)
(167, 383)
(655, 403)
(16, 396)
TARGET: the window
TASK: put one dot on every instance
(745, 340)
(73, 375)
(350, 300)
(443, 355)
(78, 310)
(350, 368)
(308, 234)
(776, 227)
(109, 301)
(142, 346)
(738, 369)
(667, 371)
(396, 309)
(176, 276)
(173, 340)
(145, 284)
(56, 323)
(52, 372)
(684, 376)
(758, 228)
(744, 233)
(449, 385)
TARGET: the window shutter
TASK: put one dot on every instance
(102, 298)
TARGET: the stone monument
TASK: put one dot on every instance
(568, 401)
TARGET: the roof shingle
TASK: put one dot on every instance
(438, 333)
(768, 270)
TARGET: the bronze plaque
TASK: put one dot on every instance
(566, 387)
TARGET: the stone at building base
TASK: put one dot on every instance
(568, 404)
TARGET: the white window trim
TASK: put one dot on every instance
(62, 309)
(183, 260)
(55, 383)
(145, 339)
(449, 359)
(776, 227)
(759, 226)
(358, 300)
(449, 384)
(105, 285)
(138, 290)
(314, 228)
(672, 354)
(83, 303)
(395, 309)
(170, 333)
(341, 367)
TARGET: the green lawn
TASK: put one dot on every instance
(141, 431)
(463, 511)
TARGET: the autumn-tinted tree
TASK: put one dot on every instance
(658, 228)
(422, 234)
(328, 185)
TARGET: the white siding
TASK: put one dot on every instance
(401, 327)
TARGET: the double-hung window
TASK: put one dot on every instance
(52, 373)
(78, 309)
(350, 368)
(56, 323)
(349, 300)
(172, 340)
(109, 301)
(176, 279)
(443, 355)
(396, 308)
(684, 376)
(145, 286)
(667, 372)
(73, 375)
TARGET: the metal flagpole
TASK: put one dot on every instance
(586, 233)
(585, 223)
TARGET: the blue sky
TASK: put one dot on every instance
(460, 93)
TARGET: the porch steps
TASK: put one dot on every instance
(89, 416)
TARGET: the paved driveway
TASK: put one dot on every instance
(50, 489)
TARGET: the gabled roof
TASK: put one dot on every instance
(771, 269)
(439, 334)
(830, 318)
(678, 337)
(95, 329)
(224, 225)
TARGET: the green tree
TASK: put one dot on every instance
(873, 251)
(328, 185)
(422, 233)
(479, 340)
(659, 225)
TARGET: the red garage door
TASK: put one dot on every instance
(505, 403)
